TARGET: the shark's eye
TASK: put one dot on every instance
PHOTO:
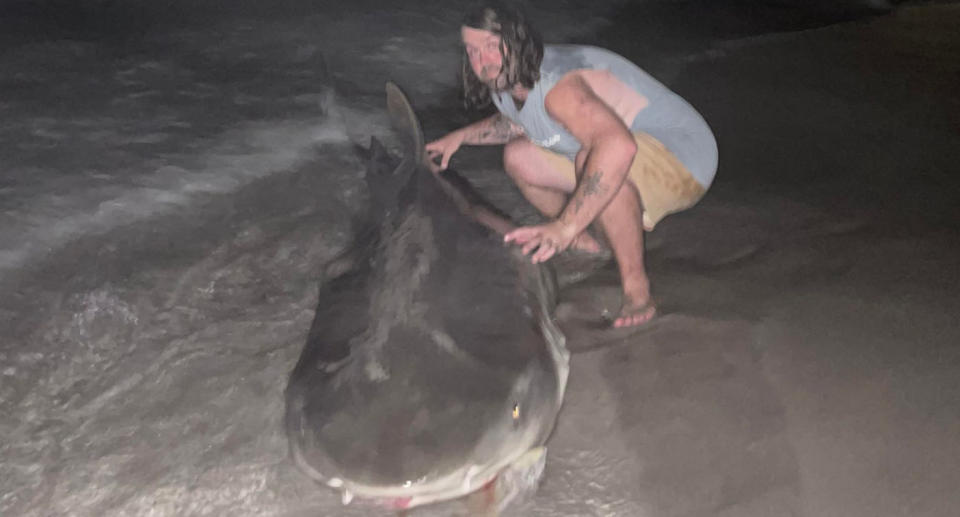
(516, 411)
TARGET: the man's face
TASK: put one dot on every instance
(483, 50)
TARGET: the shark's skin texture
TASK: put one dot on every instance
(433, 362)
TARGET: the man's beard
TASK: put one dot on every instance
(498, 83)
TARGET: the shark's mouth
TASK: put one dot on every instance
(456, 484)
(518, 472)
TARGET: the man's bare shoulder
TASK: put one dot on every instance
(570, 91)
(573, 103)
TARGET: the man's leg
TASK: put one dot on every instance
(621, 222)
(542, 184)
(657, 185)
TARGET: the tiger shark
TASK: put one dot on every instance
(433, 366)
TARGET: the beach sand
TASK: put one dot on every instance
(162, 248)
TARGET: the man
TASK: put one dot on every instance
(589, 137)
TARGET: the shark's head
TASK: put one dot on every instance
(400, 433)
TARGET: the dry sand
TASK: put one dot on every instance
(808, 360)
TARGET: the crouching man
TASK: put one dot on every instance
(588, 136)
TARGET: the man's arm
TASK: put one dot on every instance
(493, 130)
(606, 143)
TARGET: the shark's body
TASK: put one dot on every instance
(433, 363)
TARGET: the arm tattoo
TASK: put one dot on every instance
(502, 127)
(591, 187)
(499, 130)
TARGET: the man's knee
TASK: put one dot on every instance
(528, 164)
(517, 157)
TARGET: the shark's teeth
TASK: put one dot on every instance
(468, 477)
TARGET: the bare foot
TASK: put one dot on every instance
(632, 315)
(586, 243)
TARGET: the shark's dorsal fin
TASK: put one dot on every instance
(405, 122)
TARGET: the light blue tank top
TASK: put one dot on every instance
(667, 117)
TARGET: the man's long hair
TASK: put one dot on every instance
(520, 45)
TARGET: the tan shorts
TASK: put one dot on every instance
(664, 184)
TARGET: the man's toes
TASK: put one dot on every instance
(635, 318)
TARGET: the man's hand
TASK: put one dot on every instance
(434, 166)
(444, 148)
(547, 239)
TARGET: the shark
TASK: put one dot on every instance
(433, 367)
